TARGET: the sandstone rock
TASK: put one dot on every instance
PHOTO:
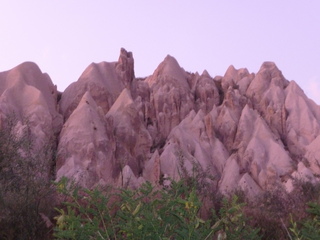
(249, 186)
(313, 156)
(193, 149)
(86, 147)
(151, 171)
(267, 95)
(170, 161)
(104, 81)
(31, 97)
(228, 117)
(171, 97)
(244, 131)
(133, 141)
(206, 93)
(260, 149)
(235, 78)
(128, 178)
(302, 124)
(231, 175)
(302, 174)
(125, 67)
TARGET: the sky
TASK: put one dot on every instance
(64, 36)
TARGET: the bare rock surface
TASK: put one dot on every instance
(86, 148)
(238, 131)
(170, 96)
(302, 124)
(104, 81)
(193, 147)
(313, 156)
(28, 93)
(133, 141)
(206, 92)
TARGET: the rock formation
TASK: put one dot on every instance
(240, 130)
(30, 94)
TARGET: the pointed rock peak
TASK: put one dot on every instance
(269, 71)
(124, 54)
(126, 66)
(243, 72)
(128, 178)
(151, 171)
(171, 67)
(170, 62)
(205, 74)
(125, 96)
(200, 114)
(189, 118)
(246, 109)
(91, 70)
(268, 65)
(231, 70)
(122, 101)
(87, 99)
(248, 113)
(198, 117)
(271, 68)
(196, 74)
(191, 114)
(213, 114)
(294, 87)
(236, 74)
(170, 58)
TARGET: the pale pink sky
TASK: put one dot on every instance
(64, 37)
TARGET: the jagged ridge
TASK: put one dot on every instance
(248, 131)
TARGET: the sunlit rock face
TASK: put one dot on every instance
(249, 131)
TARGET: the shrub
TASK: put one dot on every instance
(233, 223)
(85, 214)
(308, 228)
(268, 211)
(145, 213)
(25, 187)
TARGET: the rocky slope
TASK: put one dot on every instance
(240, 130)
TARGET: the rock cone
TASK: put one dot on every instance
(242, 130)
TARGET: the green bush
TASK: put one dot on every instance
(233, 222)
(309, 228)
(145, 213)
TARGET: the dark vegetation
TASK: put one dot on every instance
(26, 190)
(32, 206)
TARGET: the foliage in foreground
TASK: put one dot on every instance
(26, 190)
(310, 228)
(146, 213)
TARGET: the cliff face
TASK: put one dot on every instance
(241, 130)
